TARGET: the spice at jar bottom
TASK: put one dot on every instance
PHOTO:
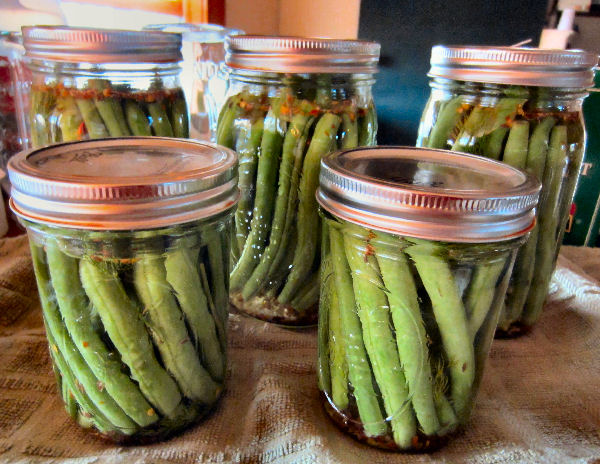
(410, 299)
(134, 292)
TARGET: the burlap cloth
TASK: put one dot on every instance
(539, 399)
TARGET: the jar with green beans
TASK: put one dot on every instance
(99, 83)
(417, 249)
(522, 106)
(290, 102)
(130, 242)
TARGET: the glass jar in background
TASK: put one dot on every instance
(417, 250)
(521, 106)
(290, 102)
(94, 83)
(14, 84)
(203, 53)
(134, 293)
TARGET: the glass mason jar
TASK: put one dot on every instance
(521, 106)
(94, 83)
(417, 249)
(130, 245)
(290, 102)
(14, 80)
(203, 50)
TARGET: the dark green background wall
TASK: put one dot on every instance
(408, 29)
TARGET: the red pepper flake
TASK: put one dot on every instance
(314, 112)
(100, 385)
(81, 130)
(369, 251)
(184, 341)
(415, 442)
(79, 386)
(107, 92)
(86, 344)
(464, 367)
(86, 414)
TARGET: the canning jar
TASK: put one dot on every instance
(203, 50)
(417, 249)
(290, 102)
(14, 81)
(521, 106)
(130, 239)
(94, 83)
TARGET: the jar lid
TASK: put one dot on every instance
(514, 65)
(123, 183)
(430, 194)
(199, 33)
(62, 43)
(301, 55)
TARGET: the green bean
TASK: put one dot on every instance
(447, 119)
(178, 116)
(169, 332)
(292, 152)
(548, 224)
(77, 397)
(93, 121)
(39, 116)
(484, 120)
(368, 127)
(159, 120)
(326, 292)
(321, 144)
(73, 304)
(515, 151)
(308, 296)
(227, 117)
(263, 206)
(70, 119)
(58, 333)
(182, 275)
(109, 108)
(247, 148)
(216, 258)
(359, 370)
(493, 145)
(411, 338)
(373, 311)
(349, 130)
(451, 320)
(524, 267)
(480, 294)
(137, 119)
(121, 319)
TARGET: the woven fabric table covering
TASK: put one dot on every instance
(539, 399)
